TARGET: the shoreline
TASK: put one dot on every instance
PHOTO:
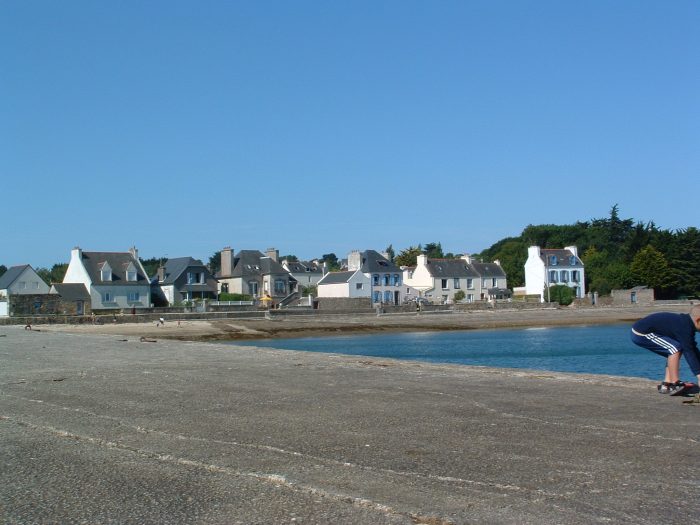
(329, 325)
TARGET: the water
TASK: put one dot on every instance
(587, 349)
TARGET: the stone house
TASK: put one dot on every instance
(183, 279)
(251, 273)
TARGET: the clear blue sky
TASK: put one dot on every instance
(316, 127)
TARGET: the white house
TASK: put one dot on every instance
(546, 267)
(344, 284)
(381, 279)
(115, 280)
(440, 279)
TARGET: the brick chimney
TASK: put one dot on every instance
(273, 254)
(227, 261)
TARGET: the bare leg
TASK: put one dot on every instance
(673, 364)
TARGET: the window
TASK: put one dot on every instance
(106, 274)
(553, 276)
(224, 287)
(444, 284)
(107, 297)
(377, 297)
(494, 282)
(190, 277)
(575, 276)
(280, 286)
(358, 286)
(387, 296)
(397, 279)
(553, 260)
(456, 284)
(253, 288)
(133, 297)
(35, 285)
(22, 285)
(375, 280)
(387, 279)
(470, 297)
(572, 260)
(484, 283)
(470, 284)
(565, 276)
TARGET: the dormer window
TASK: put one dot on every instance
(131, 274)
(105, 272)
(553, 260)
(572, 260)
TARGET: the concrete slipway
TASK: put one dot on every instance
(97, 429)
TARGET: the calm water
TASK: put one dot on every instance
(588, 349)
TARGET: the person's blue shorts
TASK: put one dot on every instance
(659, 344)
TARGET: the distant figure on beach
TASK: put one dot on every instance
(161, 322)
(28, 326)
(670, 335)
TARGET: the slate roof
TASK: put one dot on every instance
(374, 262)
(336, 277)
(252, 263)
(174, 268)
(447, 268)
(11, 275)
(72, 291)
(488, 269)
(562, 257)
(303, 267)
(118, 262)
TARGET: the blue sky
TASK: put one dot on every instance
(317, 127)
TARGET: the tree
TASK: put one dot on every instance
(151, 265)
(215, 263)
(459, 296)
(331, 261)
(390, 253)
(434, 250)
(650, 268)
(54, 275)
(3, 269)
(408, 256)
(562, 294)
(290, 258)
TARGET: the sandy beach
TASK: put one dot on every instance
(329, 324)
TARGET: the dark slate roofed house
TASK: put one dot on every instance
(183, 279)
(252, 273)
(22, 279)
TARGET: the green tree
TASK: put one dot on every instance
(390, 253)
(434, 250)
(3, 269)
(151, 265)
(331, 261)
(408, 256)
(215, 263)
(560, 293)
(459, 295)
(290, 258)
(650, 268)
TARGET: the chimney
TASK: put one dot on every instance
(227, 261)
(572, 249)
(497, 262)
(354, 260)
(467, 258)
(134, 252)
(161, 274)
(76, 253)
(533, 252)
(422, 260)
(273, 254)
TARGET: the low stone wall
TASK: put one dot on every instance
(343, 303)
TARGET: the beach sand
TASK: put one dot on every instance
(329, 324)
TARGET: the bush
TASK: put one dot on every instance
(560, 293)
(459, 296)
(224, 296)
